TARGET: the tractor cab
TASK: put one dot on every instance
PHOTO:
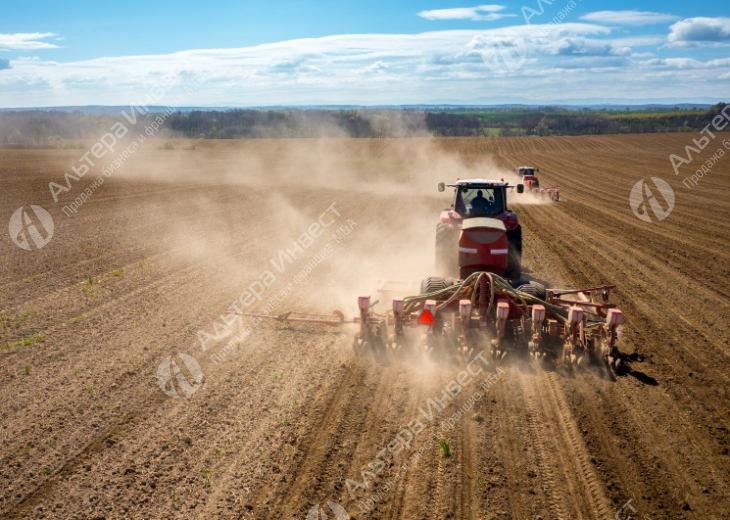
(479, 201)
(479, 232)
(527, 171)
(479, 198)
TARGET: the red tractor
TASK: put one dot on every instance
(478, 232)
(528, 176)
(479, 304)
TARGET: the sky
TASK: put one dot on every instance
(320, 52)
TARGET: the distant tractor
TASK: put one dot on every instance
(528, 176)
(479, 233)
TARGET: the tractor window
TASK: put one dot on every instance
(479, 202)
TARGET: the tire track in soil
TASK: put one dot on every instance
(415, 474)
(467, 450)
(432, 491)
(598, 501)
(445, 489)
(413, 497)
(465, 483)
(392, 504)
(453, 489)
(534, 433)
(341, 420)
(434, 486)
(576, 492)
(645, 416)
(263, 449)
(493, 454)
(442, 488)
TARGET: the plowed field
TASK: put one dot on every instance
(284, 419)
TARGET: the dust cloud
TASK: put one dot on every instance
(234, 204)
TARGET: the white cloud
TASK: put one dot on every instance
(638, 41)
(377, 67)
(636, 18)
(594, 62)
(687, 63)
(467, 13)
(297, 64)
(694, 32)
(582, 47)
(674, 63)
(25, 42)
(373, 69)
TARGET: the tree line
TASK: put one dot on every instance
(51, 128)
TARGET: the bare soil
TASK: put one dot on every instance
(166, 244)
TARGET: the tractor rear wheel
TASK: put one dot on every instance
(435, 283)
(535, 289)
(447, 251)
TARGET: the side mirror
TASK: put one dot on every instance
(442, 186)
(537, 169)
(520, 188)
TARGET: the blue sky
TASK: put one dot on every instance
(376, 52)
